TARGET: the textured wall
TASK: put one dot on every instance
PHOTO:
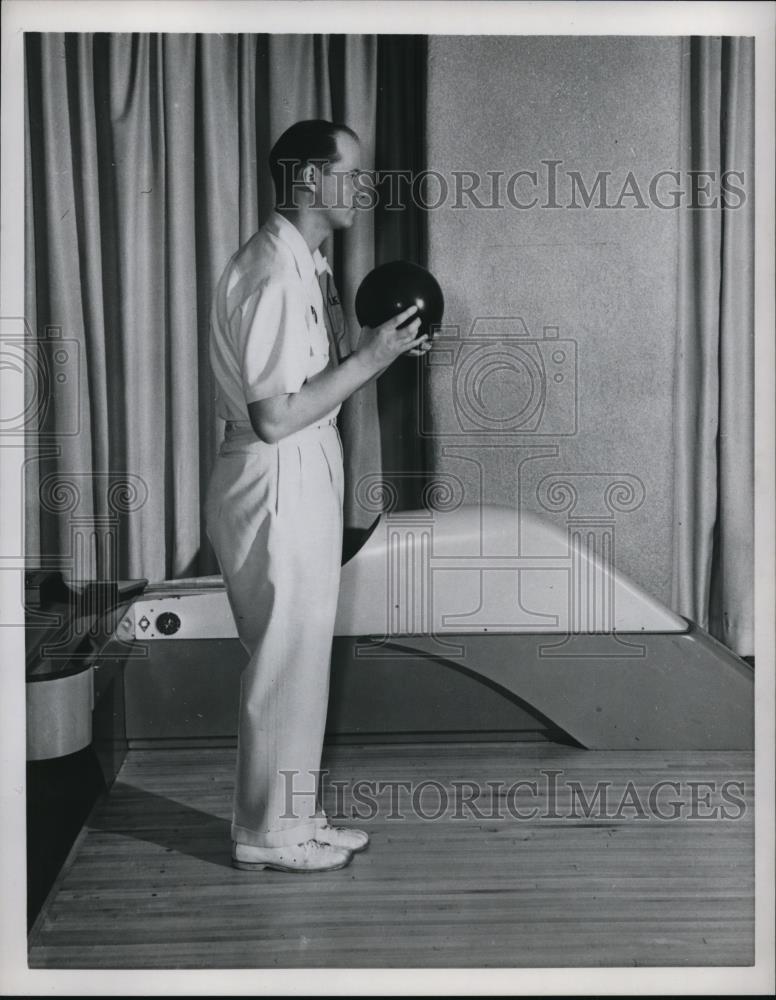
(605, 277)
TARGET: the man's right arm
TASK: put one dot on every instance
(277, 416)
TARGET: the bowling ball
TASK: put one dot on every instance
(391, 288)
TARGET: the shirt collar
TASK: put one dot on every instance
(310, 264)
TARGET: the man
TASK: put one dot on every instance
(274, 504)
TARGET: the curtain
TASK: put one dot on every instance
(401, 148)
(713, 437)
(146, 169)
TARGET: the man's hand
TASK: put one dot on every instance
(424, 348)
(383, 344)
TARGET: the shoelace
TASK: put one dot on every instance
(313, 846)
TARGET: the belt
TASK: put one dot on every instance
(234, 428)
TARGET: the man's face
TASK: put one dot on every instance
(337, 184)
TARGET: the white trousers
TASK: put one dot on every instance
(274, 518)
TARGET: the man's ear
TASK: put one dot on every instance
(307, 176)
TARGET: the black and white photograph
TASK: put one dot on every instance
(387, 453)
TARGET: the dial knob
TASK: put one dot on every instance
(168, 623)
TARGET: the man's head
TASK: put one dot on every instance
(314, 165)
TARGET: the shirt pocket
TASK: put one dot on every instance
(317, 346)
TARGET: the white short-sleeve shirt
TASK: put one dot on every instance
(267, 330)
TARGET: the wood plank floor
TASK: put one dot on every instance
(149, 884)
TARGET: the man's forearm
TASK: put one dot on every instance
(275, 419)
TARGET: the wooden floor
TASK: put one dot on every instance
(149, 883)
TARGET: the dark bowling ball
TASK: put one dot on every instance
(391, 288)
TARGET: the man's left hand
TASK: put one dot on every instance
(423, 348)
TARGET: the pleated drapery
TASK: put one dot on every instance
(146, 169)
(401, 146)
(714, 398)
